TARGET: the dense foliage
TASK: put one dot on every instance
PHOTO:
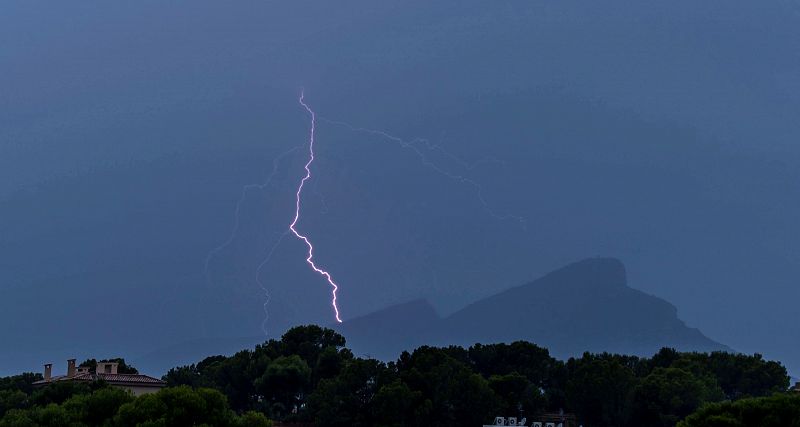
(309, 376)
(780, 410)
(107, 406)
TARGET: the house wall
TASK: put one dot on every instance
(138, 390)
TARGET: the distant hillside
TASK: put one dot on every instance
(385, 333)
(585, 306)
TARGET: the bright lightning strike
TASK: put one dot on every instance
(310, 258)
(419, 146)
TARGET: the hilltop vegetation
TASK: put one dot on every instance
(101, 405)
(780, 410)
(310, 376)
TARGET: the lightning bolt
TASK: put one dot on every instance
(419, 146)
(235, 231)
(267, 295)
(237, 212)
(423, 157)
(298, 194)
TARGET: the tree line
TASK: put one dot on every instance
(78, 404)
(309, 376)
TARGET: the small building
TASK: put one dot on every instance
(542, 420)
(136, 384)
(796, 387)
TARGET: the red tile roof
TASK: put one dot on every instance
(128, 379)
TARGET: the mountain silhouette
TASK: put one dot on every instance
(585, 306)
(385, 333)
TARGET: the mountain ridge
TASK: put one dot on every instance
(584, 306)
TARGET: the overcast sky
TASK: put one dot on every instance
(661, 133)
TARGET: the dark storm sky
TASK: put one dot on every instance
(661, 133)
